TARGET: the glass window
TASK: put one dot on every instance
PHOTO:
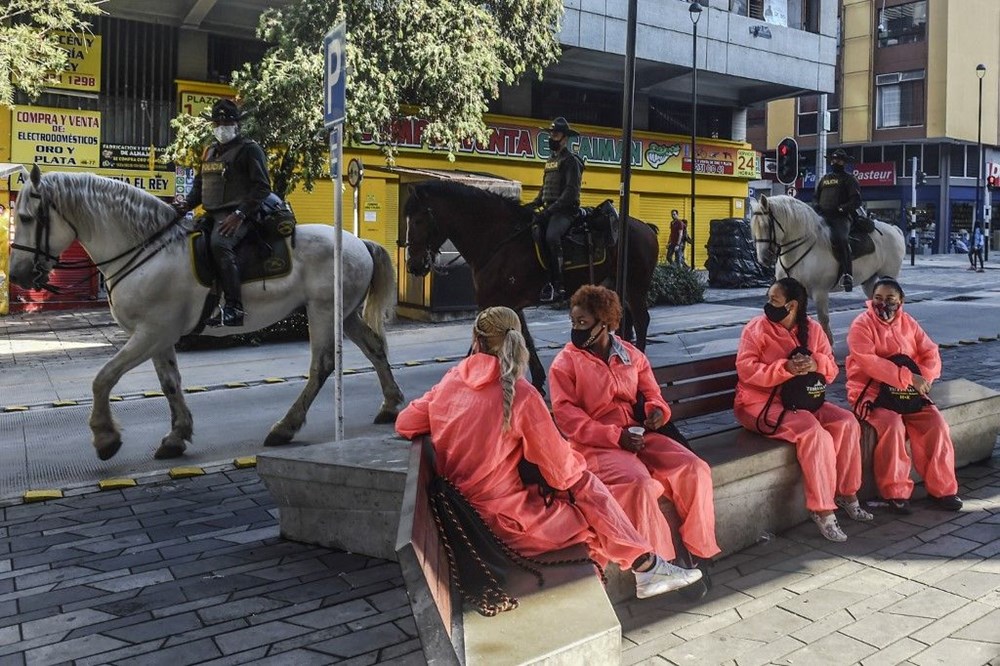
(871, 154)
(910, 151)
(932, 159)
(894, 154)
(972, 166)
(807, 124)
(956, 168)
(902, 24)
(900, 100)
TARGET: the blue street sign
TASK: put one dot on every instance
(334, 76)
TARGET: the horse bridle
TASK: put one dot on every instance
(781, 249)
(43, 232)
(430, 254)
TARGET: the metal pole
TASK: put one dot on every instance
(694, 131)
(821, 144)
(979, 172)
(628, 106)
(357, 191)
(913, 211)
(337, 136)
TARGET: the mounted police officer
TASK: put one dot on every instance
(837, 198)
(230, 185)
(558, 202)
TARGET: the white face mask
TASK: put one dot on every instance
(225, 133)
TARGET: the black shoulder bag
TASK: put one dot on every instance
(806, 391)
(668, 429)
(902, 401)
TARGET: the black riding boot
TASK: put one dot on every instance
(554, 291)
(230, 314)
(847, 269)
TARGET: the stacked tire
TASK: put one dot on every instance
(732, 256)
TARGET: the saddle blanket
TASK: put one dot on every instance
(257, 260)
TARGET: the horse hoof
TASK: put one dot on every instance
(108, 451)
(275, 439)
(386, 416)
(169, 450)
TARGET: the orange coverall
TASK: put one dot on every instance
(870, 342)
(463, 413)
(592, 403)
(828, 441)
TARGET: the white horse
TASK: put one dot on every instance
(796, 239)
(141, 248)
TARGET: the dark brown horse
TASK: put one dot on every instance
(493, 234)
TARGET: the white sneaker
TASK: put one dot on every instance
(854, 510)
(663, 577)
(829, 527)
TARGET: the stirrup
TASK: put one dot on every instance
(847, 282)
(227, 316)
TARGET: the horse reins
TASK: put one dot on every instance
(44, 228)
(784, 248)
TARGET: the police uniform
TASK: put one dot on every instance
(233, 179)
(838, 195)
(559, 199)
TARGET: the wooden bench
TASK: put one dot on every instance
(569, 620)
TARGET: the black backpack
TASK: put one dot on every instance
(902, 401)
(806, 391)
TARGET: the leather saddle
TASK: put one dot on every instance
(593, 228)
(263, 254)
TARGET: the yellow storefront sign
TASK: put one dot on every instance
(197, 97)
(4, 253)
(158, 183)
(55, 137)
(83, 69)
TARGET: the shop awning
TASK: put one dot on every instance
(484, 181)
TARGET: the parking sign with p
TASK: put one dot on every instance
(334, 76)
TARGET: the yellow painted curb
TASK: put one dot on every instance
(305, 376)
(246, 461)
(413, 363)
(41, 495)
(987, 338)
(115, 398)
(65, 403)
(236, 384)
(441, 359)
(195, 389)
(116, 484)
(185, 472)
(153, 394)
(15, 408)
(274, 380)
(350, 371)
(967, 342)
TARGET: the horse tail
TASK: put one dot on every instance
(381, 291)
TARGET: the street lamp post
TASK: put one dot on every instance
(694, 13)
(980, 72)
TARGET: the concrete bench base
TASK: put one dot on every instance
(344, 495)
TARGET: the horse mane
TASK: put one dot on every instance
(792, 207)
(110, 206)
(462, 194)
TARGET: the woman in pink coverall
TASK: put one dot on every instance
(881, 331)
(484, 418)
(595, 380)
(827, 442)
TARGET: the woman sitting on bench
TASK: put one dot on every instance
(891, 365)
(596, 380)
(484, 418)
(784, 363)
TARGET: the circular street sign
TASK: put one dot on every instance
(789, 192)
(355, 172)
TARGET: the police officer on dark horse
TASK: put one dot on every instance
(557, 202)
(837, 199)
(231, 184)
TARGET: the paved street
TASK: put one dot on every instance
(192, 570)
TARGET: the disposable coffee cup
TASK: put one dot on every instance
(637, 431)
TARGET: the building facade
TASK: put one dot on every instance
(908, 86)
(146, 62)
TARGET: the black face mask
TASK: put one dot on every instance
(583, 338)
(774, 312)
(555, 145)
(837, 167)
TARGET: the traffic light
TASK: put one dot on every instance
(787, 166)
(921, 178)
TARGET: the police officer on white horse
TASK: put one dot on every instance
(559, 201)
(837, 198)
(231, 184)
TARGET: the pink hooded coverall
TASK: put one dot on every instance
(463, 413)
(871, 341)
(592, 403)
(828, 441)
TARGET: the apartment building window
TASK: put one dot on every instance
(900, 99)
(797, 14)
(903, 24)
(808, 120)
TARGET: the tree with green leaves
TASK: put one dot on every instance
(31, 56)
(440, 60)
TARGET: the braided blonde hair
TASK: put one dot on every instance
(497, 332)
